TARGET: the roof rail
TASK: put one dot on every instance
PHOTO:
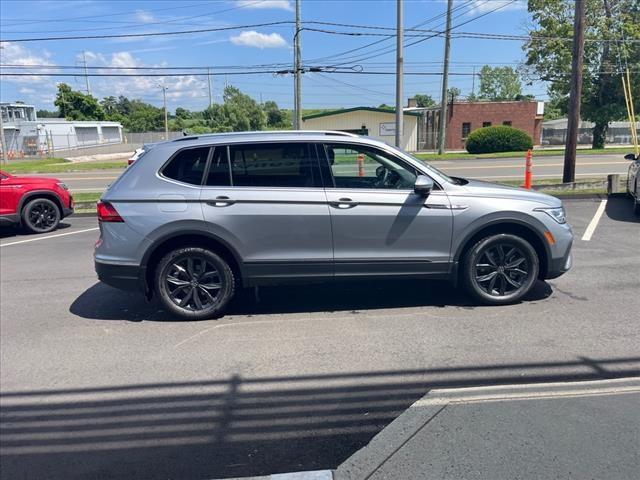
(264, 132)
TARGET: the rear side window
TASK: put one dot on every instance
(274, 165)
(187, 165)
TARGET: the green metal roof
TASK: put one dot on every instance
(355, 109)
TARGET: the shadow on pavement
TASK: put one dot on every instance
(101, 302)
(16, 231)
(621, 210)
(235, 426)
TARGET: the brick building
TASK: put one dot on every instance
(465, 117)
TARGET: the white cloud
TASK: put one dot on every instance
(484, 6)
(279, 4)
(143, 16)
(16, 54)
(147, 88)
(27, 91)
(255, 39)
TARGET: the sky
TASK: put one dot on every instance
(249, 49)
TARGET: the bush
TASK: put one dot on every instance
(498, 139)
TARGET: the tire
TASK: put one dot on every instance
(636, 206)
(40, 215)
(178, 283)
(490, 272)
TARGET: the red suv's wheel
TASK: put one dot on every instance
(40, 215)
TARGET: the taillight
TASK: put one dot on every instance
(107, 213)
(130, 161)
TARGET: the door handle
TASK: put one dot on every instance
(221, 201)
(343, 203)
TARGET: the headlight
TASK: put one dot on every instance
(557, 213)
(63, 186)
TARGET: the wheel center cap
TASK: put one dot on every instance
(500, 269)
(194, 283)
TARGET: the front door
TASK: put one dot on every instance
(380, 226)
(9, 194)
(267, 200)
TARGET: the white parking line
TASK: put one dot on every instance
(588, 233)
(49, 236)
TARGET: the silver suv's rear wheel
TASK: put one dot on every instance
(500, 269)
(194, 283)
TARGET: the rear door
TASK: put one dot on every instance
(380, 226)
(267, 200)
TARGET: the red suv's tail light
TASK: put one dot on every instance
(107, 213)
(130, 161)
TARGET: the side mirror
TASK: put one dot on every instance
(423, 185)
(630, 156)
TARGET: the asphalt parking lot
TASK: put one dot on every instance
(97, 383)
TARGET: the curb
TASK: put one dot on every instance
(366, 461)
(308, 475)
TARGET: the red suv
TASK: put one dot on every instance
(37, 203)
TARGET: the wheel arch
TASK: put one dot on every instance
(33, 194)
(512, 226)
(188, 238)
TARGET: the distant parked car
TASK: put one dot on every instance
(633, 181)
(36, 203)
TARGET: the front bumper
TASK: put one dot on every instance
(559, 266)
(123, 277)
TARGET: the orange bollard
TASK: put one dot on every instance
(528, 175)
(361, 164)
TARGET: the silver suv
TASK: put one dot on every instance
(195, 218)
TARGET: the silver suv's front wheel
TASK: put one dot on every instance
(500, 269)
(194, 283)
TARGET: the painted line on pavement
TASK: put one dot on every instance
(73, 179)
(591, 228)
(552, 175)
(49, 236)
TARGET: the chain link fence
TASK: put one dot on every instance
(79, 144)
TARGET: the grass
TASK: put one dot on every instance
(536, 153)
(59, 165)
(86, 197)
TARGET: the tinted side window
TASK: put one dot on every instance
(274, 165)
(188, 165)
(356, 166)
(219, 174)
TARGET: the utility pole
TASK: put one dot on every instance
(473, 82)
(399, 71)
(209, 82)
(442, 131)
(3, 143)
(569, 172)
(297, 81)
(166, 115)
(86, 74)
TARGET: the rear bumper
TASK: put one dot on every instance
(123, 277)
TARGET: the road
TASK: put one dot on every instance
(588, 166)
(96, 383)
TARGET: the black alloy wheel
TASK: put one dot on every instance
(40, 215)
(501, 269)
(194, 283)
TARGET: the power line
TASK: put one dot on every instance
(150, 34)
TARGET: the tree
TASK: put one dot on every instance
(76, 105)
(183, 113)
(453, 93)
(607, 21)
(46, 114)
(276, 117)
(499, 83)
(238, 113)
(109, 105)
(424, 101)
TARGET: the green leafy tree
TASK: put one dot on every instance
(607, 21)
(424, 101)
(46, 114)
(499, 83)
(453, 93)
(76, 105)
(276, 117)
(109, 105)
(183, 113)
(238, 113)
